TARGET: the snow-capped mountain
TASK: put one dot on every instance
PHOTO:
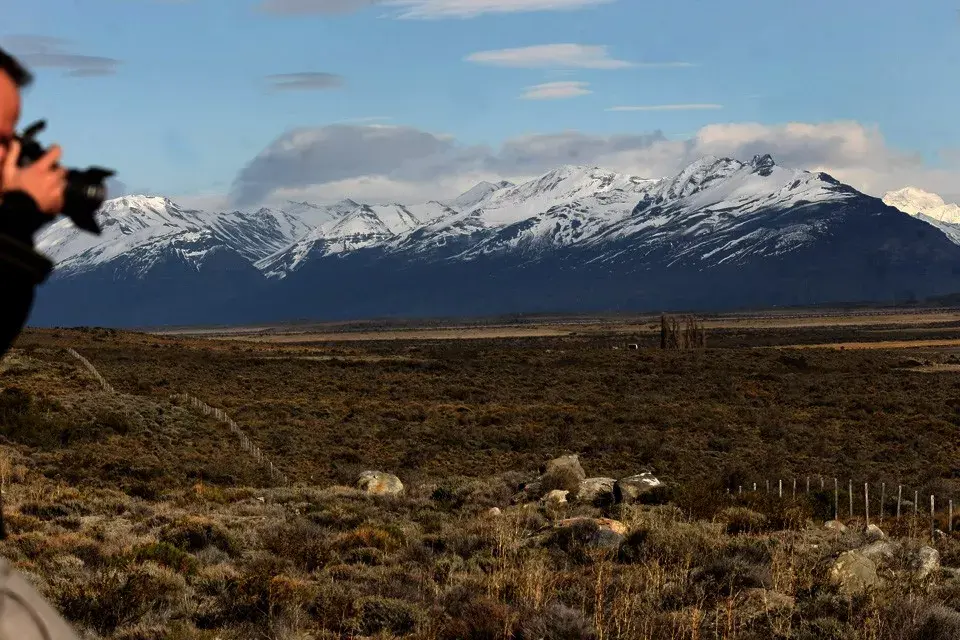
(919, 202)
(720, 234)
(142, 230)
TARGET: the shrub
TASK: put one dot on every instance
(375, 614)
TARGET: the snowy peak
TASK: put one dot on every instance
(477, 194)
(915, 201)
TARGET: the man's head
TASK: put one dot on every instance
(13, 77)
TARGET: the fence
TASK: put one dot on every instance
(245, 442)
(854, 498)
(93, 370)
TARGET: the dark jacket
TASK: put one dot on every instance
(21, 267)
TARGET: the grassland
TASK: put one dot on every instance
(141, 519)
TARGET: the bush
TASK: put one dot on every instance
(195, 533)
(375, 614)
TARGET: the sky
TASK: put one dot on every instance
(241, 103)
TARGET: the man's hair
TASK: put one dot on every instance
(12, 67)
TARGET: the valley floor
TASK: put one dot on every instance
(141, 517)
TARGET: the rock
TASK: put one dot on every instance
(555, 498)
(493, 512)
(874, 532)
(596, 533)
(596, 491)
(880, 551)
(835, 525)
(631, 488)
(853, 572)
(605, 523)
(563, 473)
(929, 561)
(379, 483)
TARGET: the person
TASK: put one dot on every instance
(29, 198)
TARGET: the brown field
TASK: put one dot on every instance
(330, 332)
(140, 518)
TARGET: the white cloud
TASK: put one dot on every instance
(426, 9)
(556, 90)
(564, 55)
(667, 107)
(393, 163)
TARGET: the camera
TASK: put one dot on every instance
(85, 190)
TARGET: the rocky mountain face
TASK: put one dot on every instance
(722, 234)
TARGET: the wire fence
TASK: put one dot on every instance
(848, 501)
(246, 443)
(93, 371)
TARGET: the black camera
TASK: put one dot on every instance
(85, 190)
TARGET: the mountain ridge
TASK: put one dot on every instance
(721, 233)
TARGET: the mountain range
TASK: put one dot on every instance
(720, 235)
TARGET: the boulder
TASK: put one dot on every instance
(630, 489)
(596, 491)
(563, 473)
(854, 572)
(880, 551)
(874, 532)
(596, 533)
(379, 483)
(555, 498)
(493, 512)
(929, 561)
(835, 525)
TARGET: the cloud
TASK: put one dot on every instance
(425, 9)
(305, 81)
(667, 107)
(36, 51)
(556, 90)
(379, 163)
(564, 55)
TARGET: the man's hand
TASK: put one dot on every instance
(42, 181)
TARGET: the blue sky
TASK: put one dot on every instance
(182, 104)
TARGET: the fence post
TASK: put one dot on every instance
(754, 486)
(808, 485)
(933, 526)
(899, 496)
(780, 488)
(850, 490)
(768, 486)
(794, 487)
(866, 503)
(950, 518)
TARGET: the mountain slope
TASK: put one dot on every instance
(721, 234)
(917, 201)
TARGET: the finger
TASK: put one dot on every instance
(50, 158)
(12, 158)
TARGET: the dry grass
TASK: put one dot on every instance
(138, 521)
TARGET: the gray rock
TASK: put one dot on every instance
(596, 491)
(631, 488)
(835, 525)
(929, 562)
(597, 533)
(379, 483)
(854, 572)
(555, 498)
(563, 473)
(874, 532)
